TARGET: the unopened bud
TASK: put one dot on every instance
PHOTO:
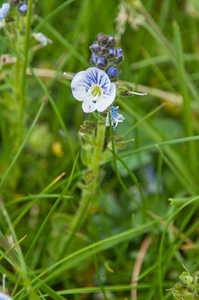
(111, 53)
(101, 62)
(93, 59)
(112, 71)
(23, 8)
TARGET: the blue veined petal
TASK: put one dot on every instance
(94, 88)
(98, 76)
(106, 100)
(79, 86)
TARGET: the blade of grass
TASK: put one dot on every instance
(23, 270)
(188, 127)
(151, 113)
(22, 145)
(27, 198)
(23, 71)
(98, 276)
(52, 14)
(65, 43)
(59, 117)
(163, 239)
(53, 208)
(158, 35)
(78, 256)
(176, 173)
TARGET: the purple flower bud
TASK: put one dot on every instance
(119, 60)
(101, 62)
(119, 52)
(94, 58)
(23, 8)
(14, 2)
(112, 71)
(102, 39)
(111, 42)
(103, 50)
(94, 48)
(111, 53)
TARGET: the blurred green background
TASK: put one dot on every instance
(160, 43)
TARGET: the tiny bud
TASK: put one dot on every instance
(103, 50)
(118, 60)
(111, 53)
(95, 48)
(101, 62)
(112, 71)
(111, 42)
(102, 39)
(14, 2)
(23, 8)
(93, 59)
(119, 52)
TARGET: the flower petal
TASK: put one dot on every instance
(88, 105)
(107, 99)
(79, 86)
(97, 76)
(4, 10)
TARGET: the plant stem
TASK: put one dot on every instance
(99, 147)
(23, 71)
(89, 190)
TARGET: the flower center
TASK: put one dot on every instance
(96, 91)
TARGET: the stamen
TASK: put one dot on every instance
(4, 282)
(140, 94)
(66, 74)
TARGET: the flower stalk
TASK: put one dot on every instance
(23, 71)
(89, 190)
(96, 89)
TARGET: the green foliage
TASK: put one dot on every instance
(71, 227)
(187, 287)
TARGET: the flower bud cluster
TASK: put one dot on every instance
(22, 6)
(106, 56)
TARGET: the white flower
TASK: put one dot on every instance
(3, 12)
(94, 88)
(4, 296)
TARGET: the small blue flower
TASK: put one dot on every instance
(23, 8)
(40, 37)
(94, 88)
(115, 117)
(3, 12)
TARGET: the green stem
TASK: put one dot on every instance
(23, 71)
(99, 147)
(188, 126)
(89, 190)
